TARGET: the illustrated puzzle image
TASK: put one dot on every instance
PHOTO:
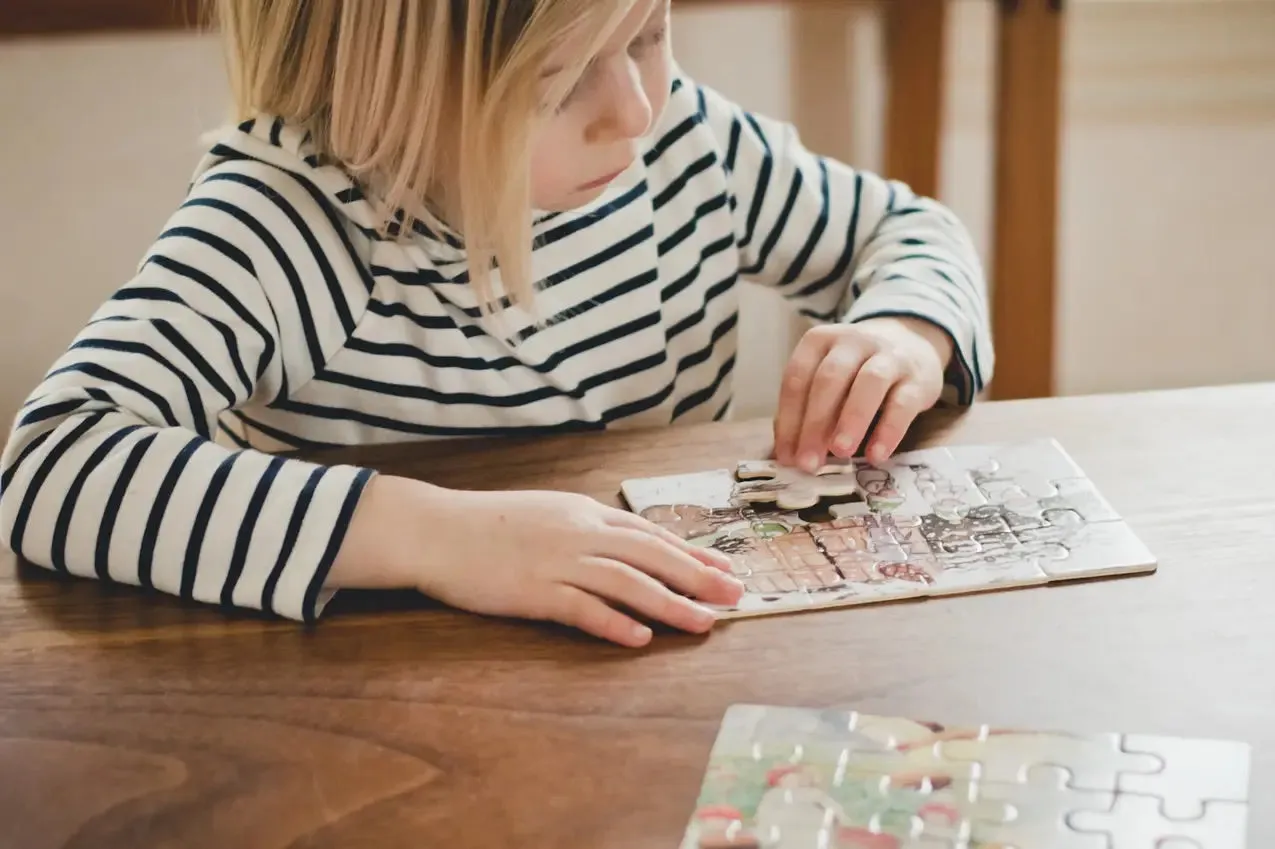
(930, 522)
(797, 778)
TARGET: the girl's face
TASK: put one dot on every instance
(595, 135)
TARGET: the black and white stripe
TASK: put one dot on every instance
(270, 315)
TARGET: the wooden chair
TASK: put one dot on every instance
(1027, 103)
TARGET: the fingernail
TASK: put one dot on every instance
(641, 633)
(809, 462)
(704, 617)
(844, 447)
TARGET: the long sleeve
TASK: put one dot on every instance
(112, 470)
(845, 244)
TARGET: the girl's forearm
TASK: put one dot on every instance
(384, 547)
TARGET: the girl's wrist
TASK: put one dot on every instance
(384, 547)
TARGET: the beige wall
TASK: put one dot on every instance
(98, 141)
(1168, 177)
(1169, 196)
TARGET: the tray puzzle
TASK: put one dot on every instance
(797, 778)
(930, 522)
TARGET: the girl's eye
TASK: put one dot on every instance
(568, 97)
(574, 90)
(571, 94)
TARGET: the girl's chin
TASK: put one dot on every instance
(574, 200)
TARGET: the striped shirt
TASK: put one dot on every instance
(270, 314)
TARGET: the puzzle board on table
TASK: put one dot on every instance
(930, 522)
(798, 778)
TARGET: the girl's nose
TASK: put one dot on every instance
(625, 110)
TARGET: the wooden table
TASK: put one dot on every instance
(136, 722)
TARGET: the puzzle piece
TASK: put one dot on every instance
(1025, 477)
(932, 482)
(1081, 496)
(1103, 549)
(1091, 761)
(1138, 822)
(1195, 772)
(690, 521)
(1011, 573)
(854, 744)
(918, 483)
(1014, 496)
(1036, 461)
(798, 778)
(851, 510)
(705, 489)
(726, 835)
(1041, 819)
(946, 810)
(792, 489)
(862, 838)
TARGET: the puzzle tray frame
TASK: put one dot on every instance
(932, 522)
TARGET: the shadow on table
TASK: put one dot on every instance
(44, 609)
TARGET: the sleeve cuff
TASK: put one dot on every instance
(300, 593)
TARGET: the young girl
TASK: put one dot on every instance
(471, 218)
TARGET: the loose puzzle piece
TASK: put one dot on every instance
(793, 489)
(933, 522)
(797, 778)
(1138, 822)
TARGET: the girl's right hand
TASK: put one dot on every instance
(570, 559)
(549, 555)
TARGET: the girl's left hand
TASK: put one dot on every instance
(841, 377)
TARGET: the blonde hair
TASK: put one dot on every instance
(421, 98)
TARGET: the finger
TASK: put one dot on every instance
(794, 390)
(671, 565)
(902, 406)
(708, 556)
(623, 584)
(576, 608)
(828, 392)
(871, 385)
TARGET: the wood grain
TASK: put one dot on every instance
(1024, 238)
(131, 721)
(915, 56)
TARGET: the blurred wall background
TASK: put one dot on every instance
(1167, 277)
